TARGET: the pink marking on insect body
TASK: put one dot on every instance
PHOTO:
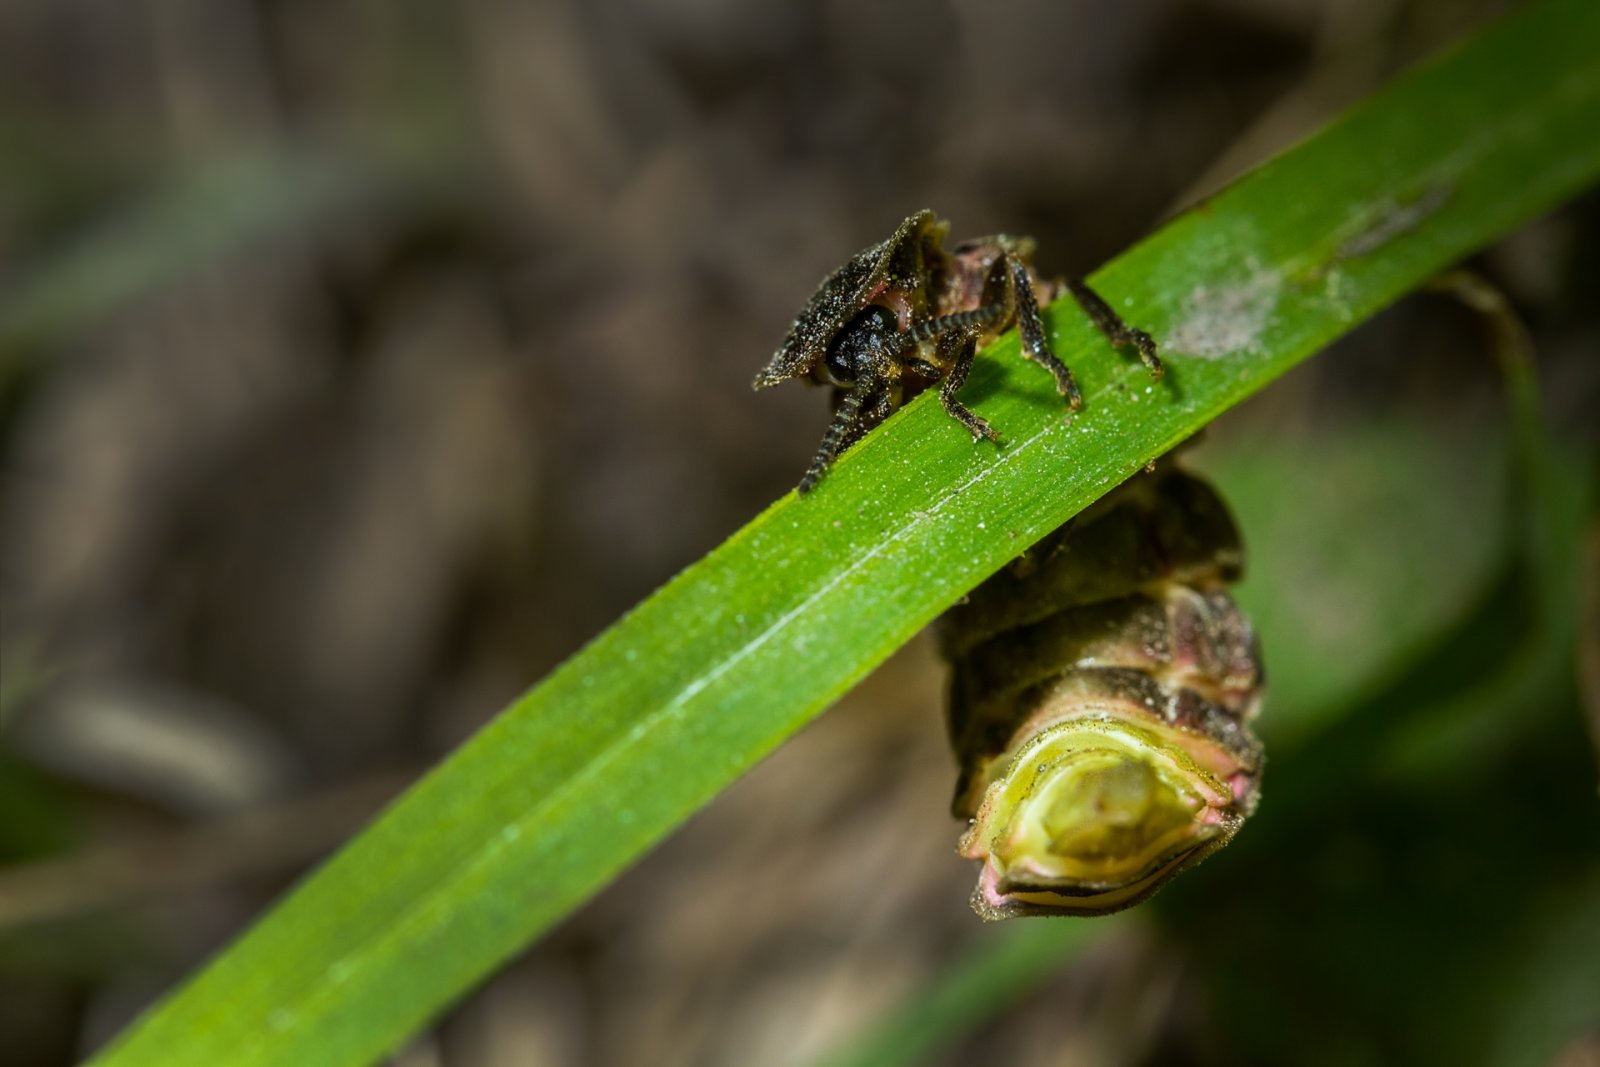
(896, 301)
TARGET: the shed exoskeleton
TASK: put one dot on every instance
(904, 314)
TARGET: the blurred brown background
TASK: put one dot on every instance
(358, 361)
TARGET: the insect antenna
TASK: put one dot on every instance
(931, 328)
(839, 430)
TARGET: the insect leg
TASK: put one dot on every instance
(841, 431)
(1109, 323)
(965, 347)
(1034, 345)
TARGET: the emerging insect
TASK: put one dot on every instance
(904, 314)
(1100, 704)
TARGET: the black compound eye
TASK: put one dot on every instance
(841, 365)
(856, 343)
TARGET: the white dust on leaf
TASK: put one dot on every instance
(1224, 320)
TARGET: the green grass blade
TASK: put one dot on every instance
(1012, 960)
(648, 722)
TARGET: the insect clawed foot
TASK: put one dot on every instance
(1146, 346)
(984, 432)
(976, 424)
(1067, 386)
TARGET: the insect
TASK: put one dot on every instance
(904, 314)
(1101, 696)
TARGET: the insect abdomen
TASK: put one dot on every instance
(1101, 696)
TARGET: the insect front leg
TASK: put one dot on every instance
(1110, 323)
(959, 349)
